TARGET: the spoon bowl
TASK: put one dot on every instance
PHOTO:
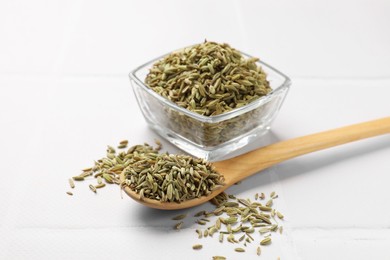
(240, 167)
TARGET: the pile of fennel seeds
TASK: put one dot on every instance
(154, 175)
(242, 222)
(208, 78)
(172, 177)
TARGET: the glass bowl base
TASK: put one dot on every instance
(215, 153)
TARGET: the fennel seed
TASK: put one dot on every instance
(71, 183)
(197, 247)
(200, 233)
(92, 188)
(265, 241)
(200, 213)
(179, 217)
(78, 178)
(178, 225)
(258, 250)
(217, 257)
(99, 186)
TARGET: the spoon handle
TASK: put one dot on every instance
(267, 156)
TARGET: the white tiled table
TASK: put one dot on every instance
(65, 95)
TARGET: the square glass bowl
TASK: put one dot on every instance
(209, 137)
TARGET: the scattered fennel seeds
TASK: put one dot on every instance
(107, 169)
(238, 219)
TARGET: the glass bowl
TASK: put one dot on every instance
(209, 137)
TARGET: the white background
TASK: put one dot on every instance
(65, 95)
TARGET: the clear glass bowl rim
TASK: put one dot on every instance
(218, 118)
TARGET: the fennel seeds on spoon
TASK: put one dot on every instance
(154, 175)
(171, 177)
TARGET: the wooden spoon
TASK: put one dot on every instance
(245, 165)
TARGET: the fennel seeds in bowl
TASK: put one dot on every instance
(209, 79)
